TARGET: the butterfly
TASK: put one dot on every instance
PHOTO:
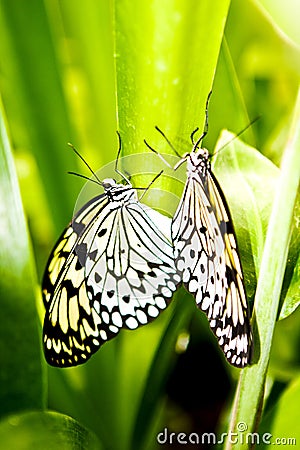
(207, 257)
(112, 268)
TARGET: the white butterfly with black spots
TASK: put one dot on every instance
(112, 268)
(206, 253)
(207, 258)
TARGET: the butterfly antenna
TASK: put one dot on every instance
(237, 135)
(87, 165)
(117, 161)
(205, 131)
(83, 176)
(168, 141)
(192, 135)
(150, 184)
(158, 154)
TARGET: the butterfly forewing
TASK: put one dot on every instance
(206, 256)
(111, 269)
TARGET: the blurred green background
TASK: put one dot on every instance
(76, 72)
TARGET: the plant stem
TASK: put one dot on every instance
(247, 406)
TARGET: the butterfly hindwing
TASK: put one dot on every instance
(206, 256)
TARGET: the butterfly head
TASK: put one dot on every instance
(118, 192)
(109, 183)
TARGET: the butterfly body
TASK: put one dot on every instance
(207, 259)
(112, 268)
(119, 194)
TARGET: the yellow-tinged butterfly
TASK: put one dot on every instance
(207, 257)
(113, 267)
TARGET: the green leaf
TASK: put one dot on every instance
(159, 82)
(21, 375)
(45, 430)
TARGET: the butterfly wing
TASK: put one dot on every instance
(71, 323)
(207, 258)
(130, 269)
(112, 268)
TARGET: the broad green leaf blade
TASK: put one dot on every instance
(21, 374)
(166, 56)
(45, 430)
(251, 387)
